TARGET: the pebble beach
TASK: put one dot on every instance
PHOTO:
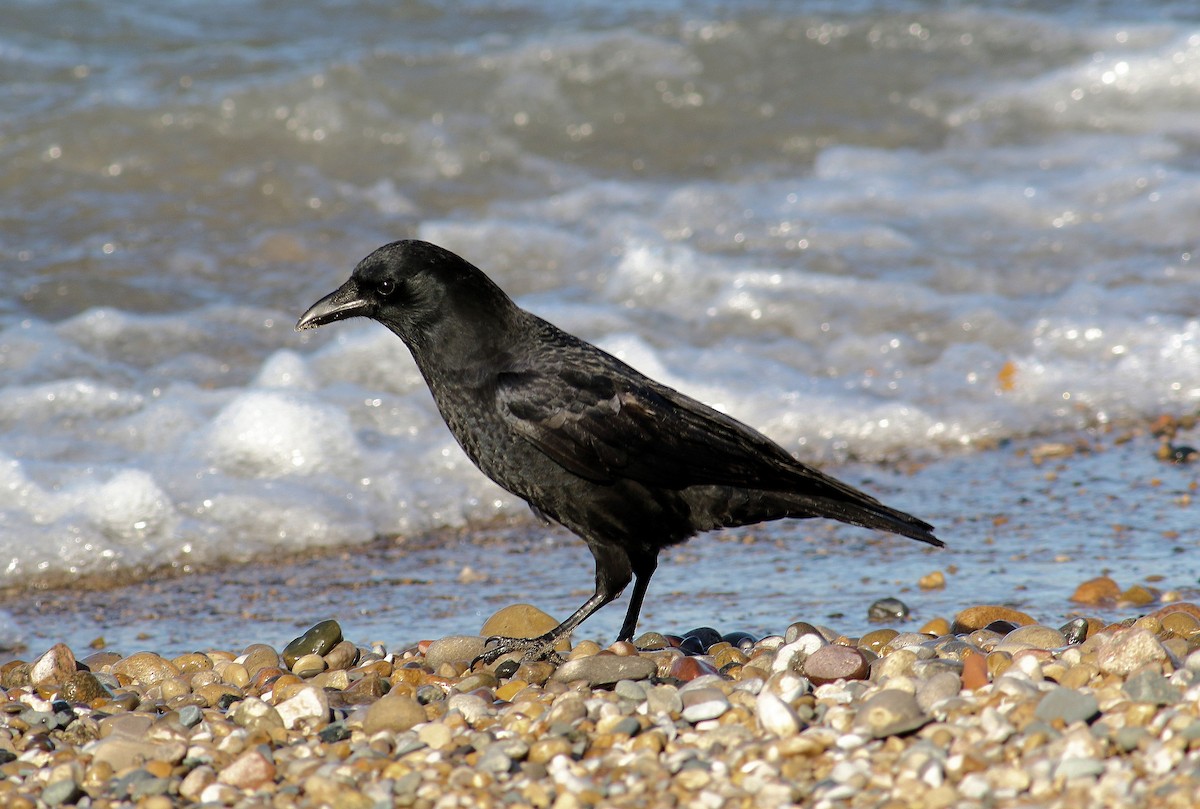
(989, 709)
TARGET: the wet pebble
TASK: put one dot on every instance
(887, 609)
(835, 662)
(319, 639)
(605, 670)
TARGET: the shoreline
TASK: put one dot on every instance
(1025, 524)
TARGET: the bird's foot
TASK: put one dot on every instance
(539, 648)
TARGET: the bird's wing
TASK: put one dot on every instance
(605, 426)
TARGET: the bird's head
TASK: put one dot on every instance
(412, 287)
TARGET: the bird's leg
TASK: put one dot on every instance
(613, 572)
(642, 571)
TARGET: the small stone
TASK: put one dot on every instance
(1067, 705)
(651, 641)
(435, 734)
(60, 792)
(792, 655)
(1032, 636)
(932, 581)
(776, 716)
(943, 685)
(522, 621)
(887, 609)
(605, 669)
(1127, 739)
(254, 714)
(1152, 687)
(1079, 768)
(196, 781)
(120, 751)
(309, 705)
(834, 662)
(936, 627)
(250, 770)
(318, 640)
(308, 666)
(689, 668)
(1099, 590)
(82, 687)
(144, 668)
(705, 635)
(342, 656)
(542, 751)
(454, 649)
(54, 667)
(875, 640)
(890, 712)
(395, 712)
(472, 707)
(700, 704)
(630, 690)
(1138, 595)
(973, 618)
(1075, 631)
(1128, 650)
(258, 656)
(190, 716)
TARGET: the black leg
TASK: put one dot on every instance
(642, 572)
(613, 572)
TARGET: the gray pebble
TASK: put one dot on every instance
(628, 689)
(1150, 686)
(1079, 768)
(940, 686)
(190, 716)
(1068, 705)
(454, 649)
(890, 712)
(60, 792)
(603, 670)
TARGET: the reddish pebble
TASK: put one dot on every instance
(974, 673)
(689, 668)
(834, 662)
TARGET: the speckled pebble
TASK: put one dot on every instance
(605, 670)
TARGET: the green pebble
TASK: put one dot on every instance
(319, 640)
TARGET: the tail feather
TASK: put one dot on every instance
(870, 515)
(748, 506)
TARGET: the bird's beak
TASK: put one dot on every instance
(344, 302)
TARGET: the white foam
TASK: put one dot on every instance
(275, 434)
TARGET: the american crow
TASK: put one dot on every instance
(626, 463)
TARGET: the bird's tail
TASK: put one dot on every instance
(867, 513)
(744, 507)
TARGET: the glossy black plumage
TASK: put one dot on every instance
(628, 464)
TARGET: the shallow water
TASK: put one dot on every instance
(882, 231)
(1026, 543)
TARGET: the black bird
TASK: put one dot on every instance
(626, 463)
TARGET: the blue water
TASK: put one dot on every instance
(880, 232)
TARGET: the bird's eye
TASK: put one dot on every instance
(386, 288)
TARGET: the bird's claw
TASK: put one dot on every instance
(540, 648)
